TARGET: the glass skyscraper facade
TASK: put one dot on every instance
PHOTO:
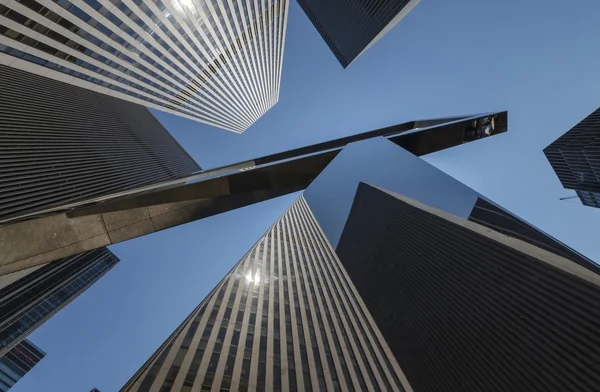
(217, 62)
(350, 27)
(575, 158)
(286, 318)
(30, 301)
(17, 362)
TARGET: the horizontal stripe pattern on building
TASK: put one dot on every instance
(217, 62)
(30, 301)
(465, 308)
(286, 318)
(575, 158)
(62, 144)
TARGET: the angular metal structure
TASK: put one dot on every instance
(15, 364)
(81, 226)
(217, 62)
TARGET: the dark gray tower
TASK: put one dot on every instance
(466, 308)
(286, 318)
(350, 27)
(30, 301)
(575, 158)
(63, 144)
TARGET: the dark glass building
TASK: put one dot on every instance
(575, 158)
(350, 27)
(28, 302)
(63, 144)
(17, 362)
(466, 308)
(286, 318)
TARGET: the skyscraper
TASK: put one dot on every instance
(574, 158)
(381, 163)
(210, 61)
(350, 27)
(17, 362)
(30, 301)
(466, 308)
(63, 144)
(285, 318)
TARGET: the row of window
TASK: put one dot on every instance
(84, 51)
(169, 47)
(318, 317)
(342, 281)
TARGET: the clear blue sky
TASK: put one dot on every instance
(537, 59)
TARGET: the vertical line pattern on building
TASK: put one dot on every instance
(575, 158)
(187, 57)
(284, 319)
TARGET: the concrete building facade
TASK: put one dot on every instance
(217, 62)
(286, 318)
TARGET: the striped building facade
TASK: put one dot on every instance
(63, 144)
(466, 308)
(31, 300)
(350, 27)
(286, 318)
(17, 363)
(217, 62)
(491, 215)
(575, 158)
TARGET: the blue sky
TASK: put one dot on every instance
(536, 59)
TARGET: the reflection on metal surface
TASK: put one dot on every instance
(208, 193)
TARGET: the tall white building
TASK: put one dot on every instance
(213, 61)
